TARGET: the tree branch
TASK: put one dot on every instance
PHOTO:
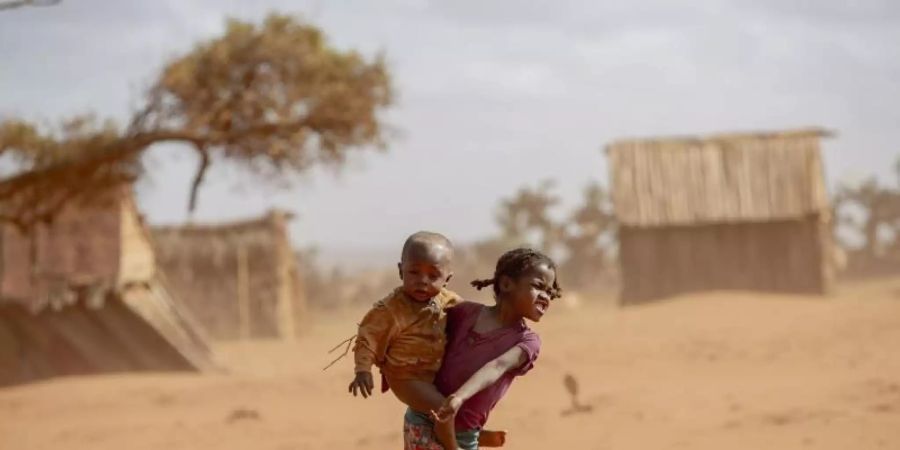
(128, 146)
(198, 178)
(21, 3)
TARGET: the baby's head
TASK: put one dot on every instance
(425, 265)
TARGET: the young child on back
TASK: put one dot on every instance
(404, 333)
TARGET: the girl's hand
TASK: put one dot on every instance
(448, 410)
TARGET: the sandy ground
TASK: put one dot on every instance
(713, 371)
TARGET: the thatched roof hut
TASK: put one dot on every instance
(240, 279)
(727, 211)
(81, 295)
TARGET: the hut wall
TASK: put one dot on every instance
(780, 256)
(80, 248)
(292, 310)
(80, 296)
(136, 258)
(238, 280)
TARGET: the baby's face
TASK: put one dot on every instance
(424, 275)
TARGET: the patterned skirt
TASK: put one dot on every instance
(418, 434)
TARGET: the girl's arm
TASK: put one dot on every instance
(484, 377)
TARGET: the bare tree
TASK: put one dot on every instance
(528, 210)
(876, 220)
(584, 241)
(590, 238)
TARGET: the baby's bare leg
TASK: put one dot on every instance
(419, 395)
(423, 397)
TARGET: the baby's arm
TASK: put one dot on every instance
(375, 331)
(484, 377)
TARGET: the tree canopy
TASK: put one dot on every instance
(275, 98)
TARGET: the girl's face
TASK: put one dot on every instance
(529, 295)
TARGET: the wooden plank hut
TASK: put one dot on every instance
(82, 295)
(733, 211)
(239, 279)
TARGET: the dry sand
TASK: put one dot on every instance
(713, 371)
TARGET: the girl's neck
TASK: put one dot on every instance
(505, 315)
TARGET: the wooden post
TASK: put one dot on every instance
(284, 294)
(2, 256)
(285, 299)
(243, 292)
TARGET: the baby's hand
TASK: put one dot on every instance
(448, 409)
(362, 382)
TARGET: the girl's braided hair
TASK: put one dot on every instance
(516, 262)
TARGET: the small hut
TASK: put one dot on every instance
(742, 211)
(82, 295)
(239, 279)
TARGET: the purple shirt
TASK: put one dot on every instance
(467, 351)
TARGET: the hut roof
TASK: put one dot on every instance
(722, 178)
(236, 226)
(180, 241)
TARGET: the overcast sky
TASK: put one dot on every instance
(492, 94)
